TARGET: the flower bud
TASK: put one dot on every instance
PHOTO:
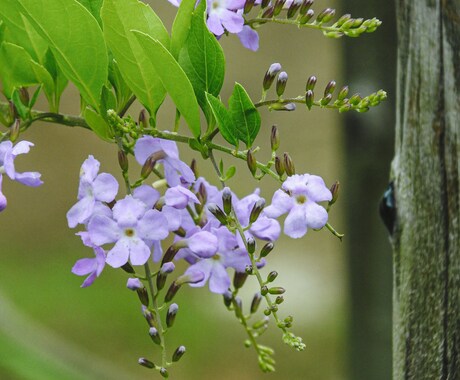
(326, 15)
(326, 100)
(171, 315)
(288, 164)
(279, 166)
(293, 8)
(355, 99)
(248, 6)
(123, 160)
(270, 75)
(150, 162)
(134, 284)
(24, 96)
(306, 4)
(274, 138)
(263, 323)
(309, 99)
(335, 192)
(143, 296)
(272, 276)
(228, 298)
(180, 351)
(249, 269)
(264, 3)
(128, 268)
(142, 120)
(148, 316)
(153, 332)
(282, 107)
(251, 245)
(266, 249)
(343, 19)
(255, 302)
(279, 300)
(306, 17)
(277, 290)
(202, 194)
(343, 93)
(238, 305)
(173, 289)
(268, 12)
(256, 210)
(194, 167)
(146, 363)
(311, 82)
(239, 278)
(330, 87)
(170, 253)
(227, 200)
(281, 83)
(14, 130)
(264, 290)
(251, 161)
(164, 372)
(215, 210)
(278, 7)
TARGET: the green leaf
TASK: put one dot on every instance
(20, 32)
(60, 80)
(15, 68)
(76, 41)
(2, 31)
(119, 17)
(122, 91)
(94, 7)
(98, 125)
(223, 119)
(174, 80)
(45, 78)
(181, 26)
(246, 118)
(229, 173)
(22, 109)
(203, 60)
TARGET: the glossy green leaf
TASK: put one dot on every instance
(45, 78)
(181, 26)
(229, 173)
(60, 80)
(246, 118)
(97, 124)
(223, 119)
(76, 41)
(20, 32)
(202, 59)
(174, 80)
(2, 31)
(122, 91)
(15, 68)
(119, 17)
(94, 7)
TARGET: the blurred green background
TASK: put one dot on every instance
(338, 293)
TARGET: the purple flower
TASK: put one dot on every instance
(299, 197)
(179, 197)
(134, 284)
(92, 190)
(90, 266)
(133, 228)
(221, 14)
(8, 154)
(249, 38)
(176, 171)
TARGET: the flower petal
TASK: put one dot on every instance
(295, 224)
(147, 194)
(105, 187)
(103, 230)
(219, 281)
(281, 204)
(119, 254)
(80, 211)
(316, 215)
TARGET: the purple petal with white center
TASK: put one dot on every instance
(317, 190)
(147, 194)
(80, 211)
(105, 187)
(219, 281)
(128, 211)
(179, 197)
(153, 226)
(103, 230)
(295, 224)
(316, 215)
(249, 38)
(281, 204)
(204, 244)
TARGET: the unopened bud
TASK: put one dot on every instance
(171, 315)
(288, 164)
(128, 268)
(311, 82)
(142, 120)
(306, 17)
(306, 4)
(264, 290)
(272, 276)
(264, 3)
(227, 200)
(170, 253)
(172, 291)
(228, 298)
(278, 7)
(266, 249)
(146, 363)
(161, 280)
(279, 166)
(289, 107)
(148, 316)
(256, 210)
(326, 15)
(270, 75)
(262, 323)
(14, 130)
(309, 99)
(330, 87)
(143, 296)
(251, 161)
(164, 372)
(239, 278)
(255, 302)
(277, 290)
(281, 83)
(326, 100)
(279, 300)
(238, 305)
(24, 96)
(180, 351)
(335, 192)
(343, 93)
(251, 245)
(194, 167)
(275, 138)
(134, 284)
(123, 160)
(248, 5)
(293, 8)
(215, 210)
(355, 99)
(153, 332)
(249, 269)
(269, 12)
(202, 193)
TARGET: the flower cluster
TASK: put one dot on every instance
(8, 153)
(210, 227)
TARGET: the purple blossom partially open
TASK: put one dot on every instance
(8, 153)
(133, 228)
(298, 198)
(179, 197)
(90, 266)
(93, 189)
(222, 16)
(176, 171)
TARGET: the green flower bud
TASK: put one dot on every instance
(266, 249)
(288, 164)
(248, 5)
(293, 8)
(325, 16)
(279, 166)
(228, 298)
(239, 278)
(146, 363)
(164, 372)
(335, 192)
(306, 4)
(270, 75)
(180, 351)
(306, 17)
(251, 161)
(326, 100)
(128, 268)
(275, 138)
(194, 167)
(142, 120)
(343, 19)
(227, 200)
(311, 82)
(255, 302)
(264, 290)
(143, 296)
(277, 290)
(256, 210)
(14, 130)
(278, 7)
(153, 332)
(264, 3)
(355, 99)
(281, 83)
(123, 160)
(343, 93)
(309, 99)
(248, 269)
(272, 276)
(251, 245)
(171, 315)
(172, 291)
(279, 300)
(330, 87)
(269, 12)
(218, 213)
